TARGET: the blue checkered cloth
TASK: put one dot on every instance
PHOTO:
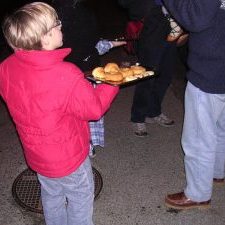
(103, 46)
(97, 132)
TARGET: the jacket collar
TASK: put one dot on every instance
(42, 57)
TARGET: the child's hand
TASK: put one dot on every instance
(118, 43)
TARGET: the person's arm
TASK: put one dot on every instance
(104, 46)
(193, 15)
(92, 103)
(85, 101)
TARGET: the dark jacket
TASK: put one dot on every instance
(137, 9)
(204, 19)
(151, 44)
(153, 38)
(80, 32)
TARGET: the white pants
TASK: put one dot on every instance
(203, 141)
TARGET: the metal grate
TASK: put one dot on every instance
(26, 189)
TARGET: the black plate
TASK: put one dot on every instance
(119, 83)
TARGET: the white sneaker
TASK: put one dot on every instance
(162, 120)
(140, 129)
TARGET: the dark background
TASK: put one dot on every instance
(108, 12)
(111, 18)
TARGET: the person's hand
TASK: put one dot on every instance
(118, 43)
(182, 40)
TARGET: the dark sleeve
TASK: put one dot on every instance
(137, 9)
(194, 15)
(152, 38)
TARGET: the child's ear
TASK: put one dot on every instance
(45, 41)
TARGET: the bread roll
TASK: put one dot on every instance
(98, 72)
(130, 78)
(111, 68)
(126, 72)
(114, 76)
(138, 69)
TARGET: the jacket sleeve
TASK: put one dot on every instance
(3, 82)
(89, 103)
(194, 15)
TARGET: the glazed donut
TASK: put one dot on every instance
(114, 76)
(111, 68)
(138, 69)
(127, 72)
(98, 72)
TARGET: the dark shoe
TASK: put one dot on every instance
(140, 129)
(180, 201)
(218, 181)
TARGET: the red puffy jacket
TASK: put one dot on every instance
(51, 103)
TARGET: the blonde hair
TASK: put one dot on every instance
(25, 27)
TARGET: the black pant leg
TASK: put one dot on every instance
(163, 80)
(140, 100)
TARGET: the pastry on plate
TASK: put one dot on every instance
(114, 76)
(138, 69)
(130, 78)
(126, 71)
(111, 68)
(98, 72)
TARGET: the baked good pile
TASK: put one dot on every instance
(112, 72)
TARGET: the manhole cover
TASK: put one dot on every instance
(26, 189)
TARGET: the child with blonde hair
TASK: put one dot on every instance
(51, 103)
